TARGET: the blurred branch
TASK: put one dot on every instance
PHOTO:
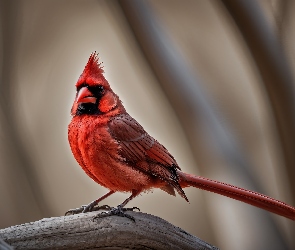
(19, 164)
(275, 72)
(81, 232)
(184, 89)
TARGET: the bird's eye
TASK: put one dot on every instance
(100, 88)
(96, 90)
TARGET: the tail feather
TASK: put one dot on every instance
(247, 196)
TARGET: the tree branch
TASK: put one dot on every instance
(81, 232)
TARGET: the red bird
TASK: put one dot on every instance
(117, 153)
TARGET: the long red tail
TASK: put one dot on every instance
(247, 196)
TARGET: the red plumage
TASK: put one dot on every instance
(92, 73)
(117, 153)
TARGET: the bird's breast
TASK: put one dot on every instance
(97, 152)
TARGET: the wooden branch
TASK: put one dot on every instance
(81, 232)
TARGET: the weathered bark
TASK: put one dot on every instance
(82, 232)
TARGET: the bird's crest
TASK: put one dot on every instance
(93, 67)
(93, 72)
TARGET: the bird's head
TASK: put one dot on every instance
(94, 95)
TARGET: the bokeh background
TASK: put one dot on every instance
(211, 80)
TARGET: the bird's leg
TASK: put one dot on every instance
(120, 209)
(91, 206)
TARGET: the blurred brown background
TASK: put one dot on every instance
(211, 80)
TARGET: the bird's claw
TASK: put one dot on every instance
(87, 208)
(75, 211)
(119, 211)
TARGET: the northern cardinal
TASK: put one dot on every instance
(117, 153)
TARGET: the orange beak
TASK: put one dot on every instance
(85, 96)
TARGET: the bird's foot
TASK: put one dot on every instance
(87, 208)
(119, 211)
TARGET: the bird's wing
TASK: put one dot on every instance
(142, 151)
(136, 144)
